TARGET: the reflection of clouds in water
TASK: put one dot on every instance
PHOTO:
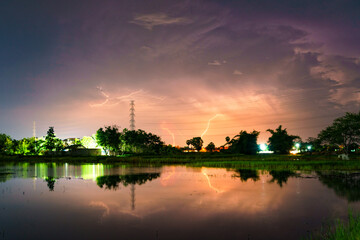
(101, 205)
(116, 209)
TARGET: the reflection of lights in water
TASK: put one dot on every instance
(172, 135)
(208, 180)
(298, 186)
(208, 125)
(164, 180)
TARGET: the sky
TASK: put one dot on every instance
(247, 65)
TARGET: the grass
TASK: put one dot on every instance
(260, 161)
(341, 230)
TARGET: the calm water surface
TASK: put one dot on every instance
(96, 201)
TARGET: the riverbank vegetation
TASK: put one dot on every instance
(341, 230)
(342, 137)
(218, 160)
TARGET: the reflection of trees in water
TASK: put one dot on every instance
(112, 181)
(345, 184)
(4, 176)
(50, 183)
(281, 177)
(245, 174)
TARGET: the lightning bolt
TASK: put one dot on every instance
(172, 135)
(119, 99)
(208, 125)
(107, 97)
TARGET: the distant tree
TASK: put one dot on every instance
(210, 147)
(196, 142)
(109, 139)
(169, 149)
(26, 146)
(227, 139)
(315, 144)
(188, 143)
(244, 142)
(59, 145)
(344, 131)
(50, 140)
(140, 141)
(280, 141)
(39, 146)
(5, 143)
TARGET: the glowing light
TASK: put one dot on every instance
(263, 147)
(294, 151)
(297, 145)
(309, 147)
(208, 125)
(208, 180)
(172, 135)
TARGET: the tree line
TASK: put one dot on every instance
(342, 135)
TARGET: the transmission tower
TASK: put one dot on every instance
(34, 133)
(34, 129)
(132, 115)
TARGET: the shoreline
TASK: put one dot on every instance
(260, 161)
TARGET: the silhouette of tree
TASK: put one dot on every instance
(50, 141)
(196, 142)
(280, 141)
(244, 142)
(188, 143)
(344, 131)
(109, 139)
(140, 141)
(210, 147)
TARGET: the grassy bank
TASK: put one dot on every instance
(260, 161)
(341, 230)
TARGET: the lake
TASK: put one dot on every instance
(100, 201)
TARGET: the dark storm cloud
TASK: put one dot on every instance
(269, 61)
